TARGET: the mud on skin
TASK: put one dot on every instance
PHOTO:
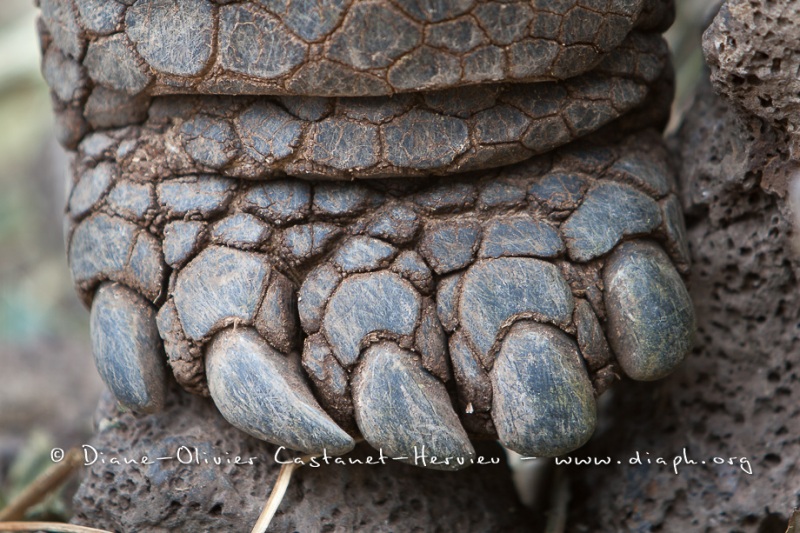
(410, 312)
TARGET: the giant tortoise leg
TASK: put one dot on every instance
(499, 237)
(414, 314)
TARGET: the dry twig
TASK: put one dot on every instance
(44, 484)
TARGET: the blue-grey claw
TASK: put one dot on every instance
(127, 349)
(543, 400)
(651, 321)
(263, 392)
(406, 412)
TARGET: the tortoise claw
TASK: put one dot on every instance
(651, 321)
(543, 400)
(263, 392)
(406, 412)
(127, 349)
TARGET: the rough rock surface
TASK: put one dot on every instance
(751, 48)
(170, 496)
(735, 395)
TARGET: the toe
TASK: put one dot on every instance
(405, 411)
(651, 321)
(219, 287)
(543, 400)
(495, 291)
(262, 392)
(380, 303)
(104, 247)
(127, 348)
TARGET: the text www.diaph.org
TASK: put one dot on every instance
(676, 462)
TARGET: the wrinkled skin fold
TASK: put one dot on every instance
(461, 224)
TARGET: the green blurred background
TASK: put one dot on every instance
(48, 385)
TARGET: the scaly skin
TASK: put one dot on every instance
(340, 47)
(521, 249)
(394, 269)
(420, 134)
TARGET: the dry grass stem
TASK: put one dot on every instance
(44, 484)
(277, 494)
